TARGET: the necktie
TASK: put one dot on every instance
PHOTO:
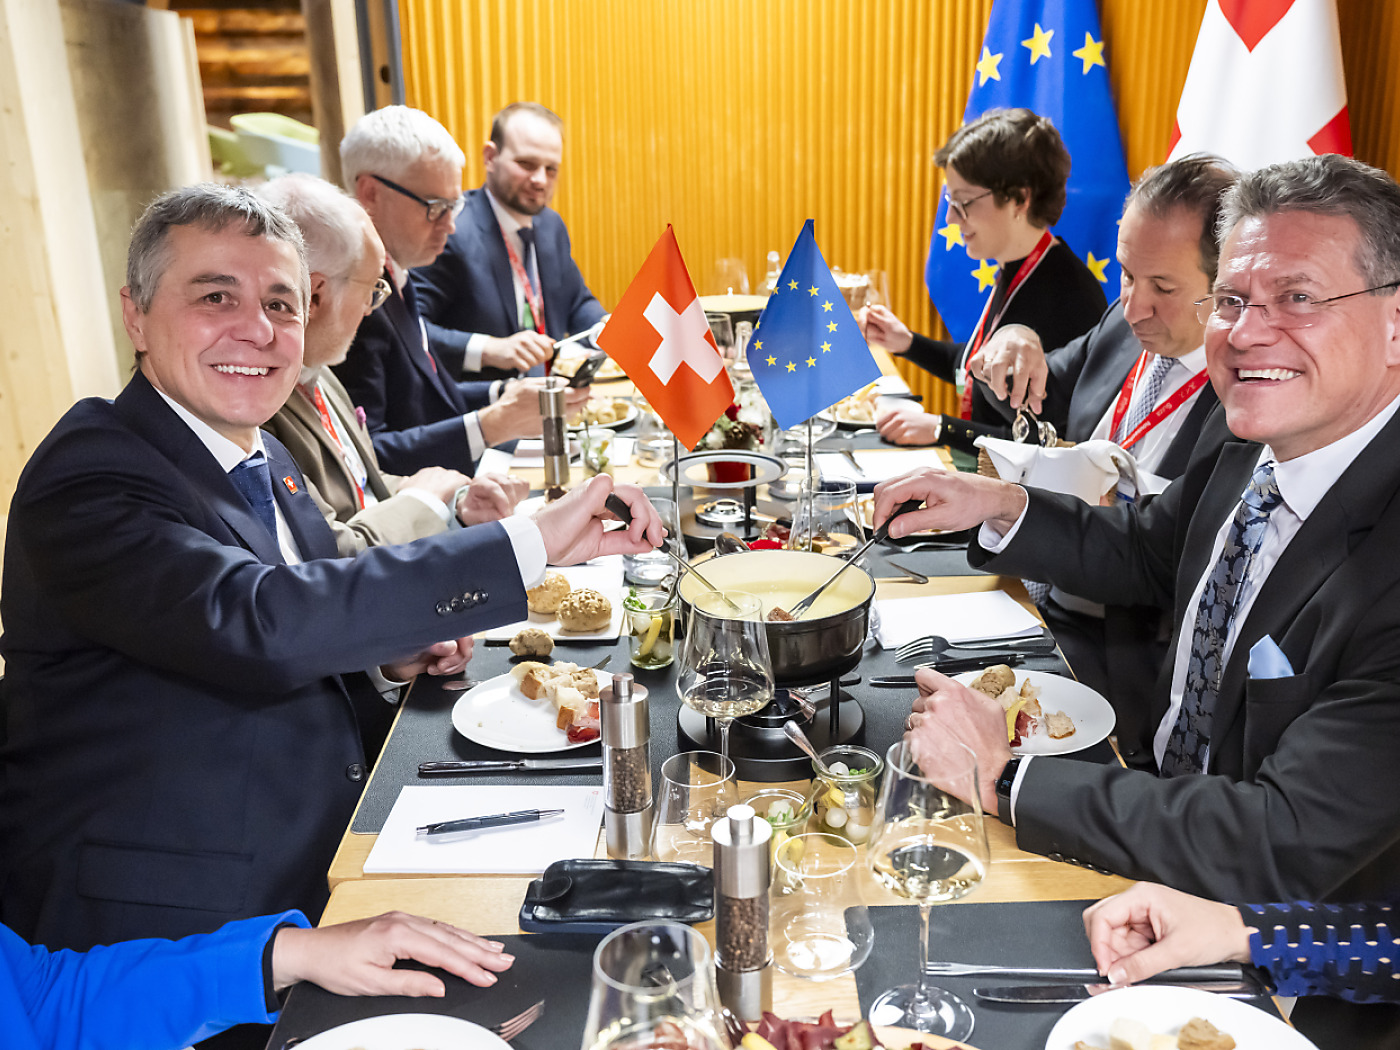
(527, 257)
(410, 299)
(252, 479)
(1144, 404)
(1190, 736)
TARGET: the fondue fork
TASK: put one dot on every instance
(615, 504)
(880, 535)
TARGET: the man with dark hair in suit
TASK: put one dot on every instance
(186, 724)
(506, 286)
(405, 170)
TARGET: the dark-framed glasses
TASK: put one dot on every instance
(1287, 310)
(959, 208)
(381, 290)
(436, 207)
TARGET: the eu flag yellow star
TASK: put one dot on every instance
(791, 367)
(951, 234)
(831, 327)
(1097, 267)
(826, 347)
(772, 360)
(812, 290)
(811, 362)
(826, 306)
(758, 344)
(1039, 44)
(987, 67)
(986, 274)
(792, 285)
(1091, 54)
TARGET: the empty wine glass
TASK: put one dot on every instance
(725, 669)
(818, 924)
(653, 987)
(695, 790)
(827, 518)
(929, 846)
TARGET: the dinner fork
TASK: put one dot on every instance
(933, 644)
(512, 1027)
(734, 1028)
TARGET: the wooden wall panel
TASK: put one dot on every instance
(735, 120)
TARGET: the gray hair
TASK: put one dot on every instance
(1327, 185)
(391, 140)
(331, 222)
(1196, 183)
(209, 207)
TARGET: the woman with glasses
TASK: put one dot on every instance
(1005, 176)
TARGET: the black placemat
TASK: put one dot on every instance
(554, 967)
(1032, 933)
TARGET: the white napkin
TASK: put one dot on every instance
(957, 617)
(518, 849)
(1087, 470)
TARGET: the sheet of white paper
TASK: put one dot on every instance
(496, 461)
(957, 617)
(875, 465)
(518, 849)
(529, 452)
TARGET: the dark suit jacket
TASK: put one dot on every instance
(1303, 796)
(413, 411)
(180, 747)
(469, 288)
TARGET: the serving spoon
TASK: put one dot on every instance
(793, 732)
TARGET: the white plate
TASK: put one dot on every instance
(496, 713)
(406, 1032)
(616, 424)
(603, 575)
(1092, 715)
(1165, 1009)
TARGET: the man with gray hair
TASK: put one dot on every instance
(405, 170)
(319, 425)
(1276, 714)
(193, 677)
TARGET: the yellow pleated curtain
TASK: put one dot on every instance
(736, 120)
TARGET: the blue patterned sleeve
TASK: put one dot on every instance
(1347, 951)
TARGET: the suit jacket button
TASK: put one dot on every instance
(1055, 856)
(456, 605)
(480, 596)
(442, 608)
(355, 772)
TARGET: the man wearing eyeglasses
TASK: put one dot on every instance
(506, 286)
(319, 425)
(404, 169)
(1277, 712)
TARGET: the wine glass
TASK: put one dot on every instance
(929, 846)
(819, 925)
(696, 789)
(653, 989)
(827, 518)
(725, 670)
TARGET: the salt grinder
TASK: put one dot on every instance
(626, 735)
(556, 445)
(743, 963)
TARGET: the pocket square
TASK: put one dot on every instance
(1266, 660)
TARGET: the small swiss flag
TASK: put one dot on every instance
(658, 335)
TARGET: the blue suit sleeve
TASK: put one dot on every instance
(137, 995)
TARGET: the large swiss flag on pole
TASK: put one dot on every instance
(1265, 84)
(658, 335)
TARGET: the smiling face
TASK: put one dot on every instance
(1162, 278)
(523, 172)
(223, 335)
(990, 229)
(1303, 388)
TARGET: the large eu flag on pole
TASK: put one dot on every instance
(1048, 56)
(807, 352)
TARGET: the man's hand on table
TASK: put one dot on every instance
(572, 526)
(490, 497)
(357, 958)
(907, 424)
(521, 351)
(947, 713)
(953, 501)
(1151, 928)
(441, 658)
(1013, 363)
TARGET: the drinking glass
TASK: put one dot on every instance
(725, 669)
(827, 518)
(651, 627)
(722, 327)
(653, 986)
(697, 788)
(928, 846)
(731, 277)
(818, 924)
(650, 568)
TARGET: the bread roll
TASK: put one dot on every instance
(531, 641)
(584, 610)
(545, 598)
(995, 680)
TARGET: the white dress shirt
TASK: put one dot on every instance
(1152, 448)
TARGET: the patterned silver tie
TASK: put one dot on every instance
(1143, 405)
(1188, 745)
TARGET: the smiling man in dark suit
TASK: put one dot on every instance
(186, 726)
(506, 286)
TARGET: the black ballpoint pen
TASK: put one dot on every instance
(495, 820)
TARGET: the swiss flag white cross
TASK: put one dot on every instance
(682, 340)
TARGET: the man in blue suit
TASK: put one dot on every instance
(405, 170)
(506, 286)
(186, 723)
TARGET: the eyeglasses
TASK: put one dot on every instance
(436, 207)
(959, 208)
(379, 295)
(1289, 310)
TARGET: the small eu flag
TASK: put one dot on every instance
(807, 352)
(1048, 56)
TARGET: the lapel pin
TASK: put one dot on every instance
(291, 484)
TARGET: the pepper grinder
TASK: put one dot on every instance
(743, 963)
(625, 715)
(556, 444)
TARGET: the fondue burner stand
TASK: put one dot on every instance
(703, 518)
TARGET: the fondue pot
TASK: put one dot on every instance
(826, 641)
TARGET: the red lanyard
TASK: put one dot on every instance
(328, 425)
(1161, 412)
(532, 297)
(983, 329)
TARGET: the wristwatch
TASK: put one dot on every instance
(1004, 782)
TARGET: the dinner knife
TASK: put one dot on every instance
(509, 765)
(971, 663)
(1049, 994)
